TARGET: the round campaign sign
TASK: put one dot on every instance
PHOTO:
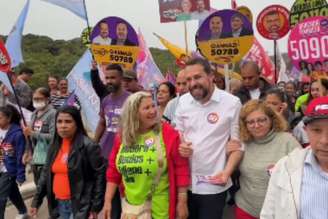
(114, 41)
(303, 9)
(308, 46)
(225, 37)
(273, 22)
(4, 58)
(247, 12)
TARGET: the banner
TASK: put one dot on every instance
(225, 37)
(258, 55)
(75, 6)
(303, 9)
(183, 10)
(308, 47)
(79, 82)
(14, 39)
(273, 23)
(115, 41)
(149, 75)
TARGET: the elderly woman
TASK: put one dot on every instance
(73, 177)
(146, 163)
(298, 186)
(263, 133)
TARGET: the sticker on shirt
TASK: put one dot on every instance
(202, 179)
(269, 169)
(37, 125)
(149, 142)
(212, 118)
(64, 158)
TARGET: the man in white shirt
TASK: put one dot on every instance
(201, 13)
(207, 119)
(103, 37)
(251, 87)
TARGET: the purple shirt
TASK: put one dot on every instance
(110, 110)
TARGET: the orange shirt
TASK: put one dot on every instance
(61, 187)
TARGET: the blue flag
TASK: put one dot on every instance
(14, 40)
(79, 83)
(75, 6)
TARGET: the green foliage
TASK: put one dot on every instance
(57, 57)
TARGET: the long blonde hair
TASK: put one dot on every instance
(130, 121)
(278, 122)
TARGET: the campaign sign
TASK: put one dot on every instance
(247, 12)
(308, 46)
(183, 10)
(114, 41)
(4, 58)
(225, 36)
(303, 9)
(273, 22)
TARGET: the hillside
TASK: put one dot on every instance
(47, 56)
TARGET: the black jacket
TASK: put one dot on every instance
(245, 96)
(87, 178)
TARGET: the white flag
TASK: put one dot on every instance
(75, 6)
(282, 67)
(14, 40)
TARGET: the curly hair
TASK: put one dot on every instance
(278, 122)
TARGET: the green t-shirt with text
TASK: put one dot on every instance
(138, 165)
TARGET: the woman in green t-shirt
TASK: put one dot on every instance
(146, 164)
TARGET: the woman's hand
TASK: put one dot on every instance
(33, 212)
(182, 207)
(93, 215)
(27, 131)
(107, 210)
(220, 178)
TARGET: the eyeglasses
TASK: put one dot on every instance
(259, 121)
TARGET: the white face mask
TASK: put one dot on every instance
(39, 105)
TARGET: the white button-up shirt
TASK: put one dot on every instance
(208, 126)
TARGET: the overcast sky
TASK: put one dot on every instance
(58, 23)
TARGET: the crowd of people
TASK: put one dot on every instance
(184, 150)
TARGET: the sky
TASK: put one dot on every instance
(58, 23)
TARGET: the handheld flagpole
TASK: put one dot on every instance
(87, 19)
(275, 60)
(186, 35)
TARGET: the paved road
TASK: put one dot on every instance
(43, 212)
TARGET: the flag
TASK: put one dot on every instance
(258, 55)
(170, 76)
(79, 83)
(282, 75)
(14, 40)
(149, 75)
(75, 6)
(233, 4)
(175, 50)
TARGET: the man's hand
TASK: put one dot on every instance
(33, 212)
(185, 149)
(220, 178)
(94, 65)
(233, 145)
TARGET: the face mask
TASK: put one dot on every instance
(39, 105)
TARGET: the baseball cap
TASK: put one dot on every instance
(317, 109)
(130, 74)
